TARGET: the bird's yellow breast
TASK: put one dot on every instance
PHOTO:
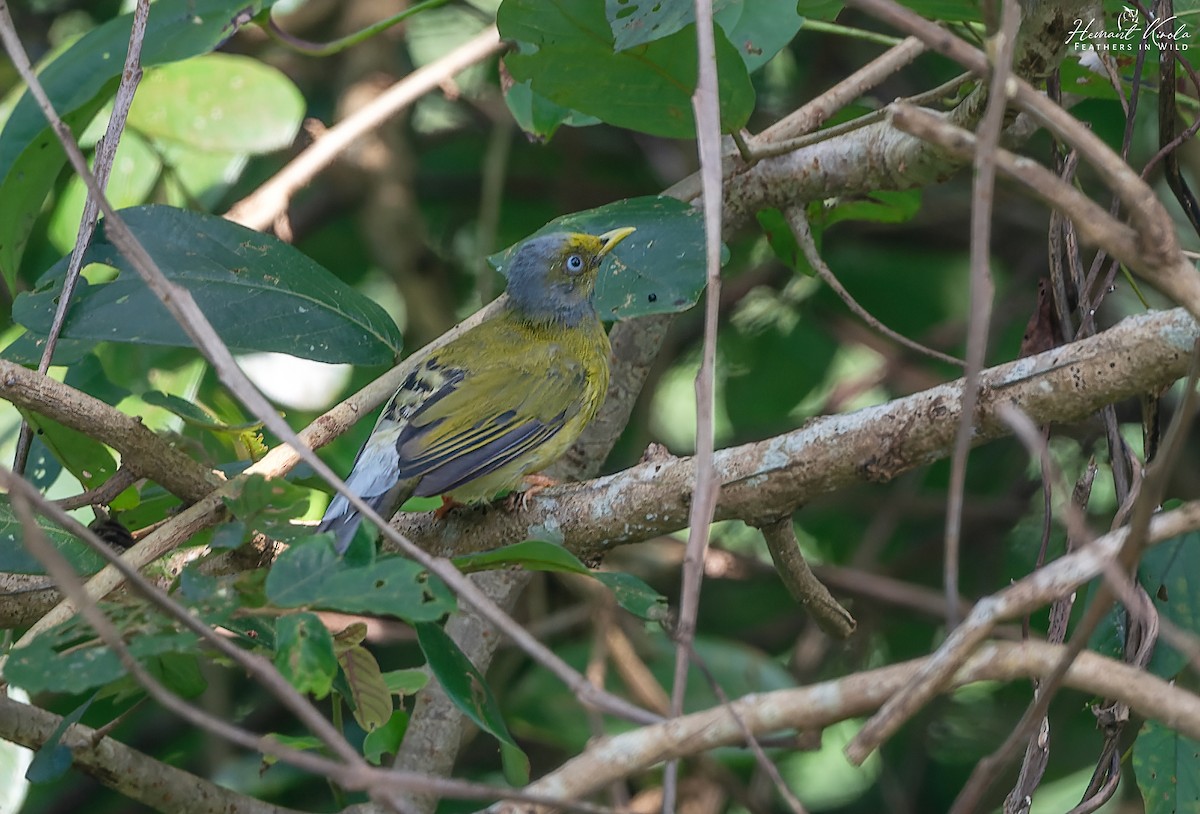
(561, 368)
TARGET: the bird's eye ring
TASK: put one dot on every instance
(574, 264)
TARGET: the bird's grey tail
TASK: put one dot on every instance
(343, 520)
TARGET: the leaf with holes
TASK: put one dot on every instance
(310, 574)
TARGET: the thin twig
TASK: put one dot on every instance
(704, 495)
(105, 154)
(982, 290)
(822, 704)
(1039, 588)
(801, 228)
(1158, 259)
(760, 756)
(262, 207)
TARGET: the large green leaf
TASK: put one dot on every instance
(311, 574)
(537, 115)
(54, 662)
(566, 52)
(78, 83)
(258, 292)
(220, 103)
(467, 689)
(658, 269)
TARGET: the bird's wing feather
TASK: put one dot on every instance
(478, 422)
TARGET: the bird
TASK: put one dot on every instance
(503, 400)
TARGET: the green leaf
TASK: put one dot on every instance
(368, 691)
(304, 653)
(258, 292)
(14, 559)
(637, 22)
(178, 672)
(269, 506)
(879, 206)
(385, 740)
(465, 686)
(1167, 766)
(537, 115)
(41, 667)
(79, 81)
(634, 595)
(758, 29)
(135, 170)
(782, 240)
(53, 759)
(566, 53)
(535, 555)
(219, 103)
(1170, 573)
(305, 743)
(87, 459)
(658, 269)
(630, 592)
(406, 682)
(311, 574)
(193, 414)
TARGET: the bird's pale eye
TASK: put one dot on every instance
(574, 264)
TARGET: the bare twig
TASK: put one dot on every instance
(1159, 259)
(798, 220)
(106, 152)
(708, 137)
(982, 290)
(261, 208)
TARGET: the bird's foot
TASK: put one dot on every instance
(519, 501)
(448, 503)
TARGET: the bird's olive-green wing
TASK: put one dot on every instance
(483, 418)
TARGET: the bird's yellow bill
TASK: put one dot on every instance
(612, 238)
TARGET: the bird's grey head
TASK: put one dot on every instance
(552, 277)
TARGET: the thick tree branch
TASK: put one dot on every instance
(822, 704)
(765, 480)
(134, 774)
(142, 452)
